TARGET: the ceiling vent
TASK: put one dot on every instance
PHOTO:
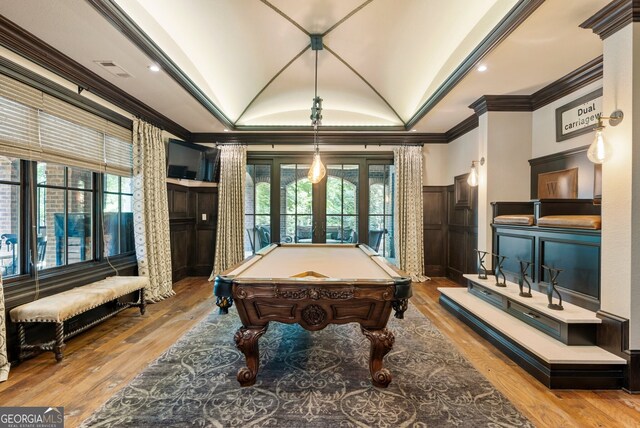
(113, 68)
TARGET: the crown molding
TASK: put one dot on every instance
(462, 128)
(501, 103)
(613, 17)
(324, 138)
(506, 26)
(580, 77)
(37, 51)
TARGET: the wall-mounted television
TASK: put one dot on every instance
(192, 162)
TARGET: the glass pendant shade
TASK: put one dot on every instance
(317, 170)
(472, 180)
(599, 151)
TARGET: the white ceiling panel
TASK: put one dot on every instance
(235, 46)
(317, 16)
(347, 100)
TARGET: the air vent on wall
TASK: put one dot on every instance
(113, 68)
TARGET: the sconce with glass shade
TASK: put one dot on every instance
(474, 179)
(600, 150)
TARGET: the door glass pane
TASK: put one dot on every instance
(381, 207)
(257, 202)
(342, 204)
(296, 204)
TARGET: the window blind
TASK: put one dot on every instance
(37, 126)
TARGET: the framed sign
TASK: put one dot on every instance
(579, 116)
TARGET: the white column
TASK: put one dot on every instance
(505, 143)
(620, 186)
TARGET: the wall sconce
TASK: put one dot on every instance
(473, 178)
(600, 150)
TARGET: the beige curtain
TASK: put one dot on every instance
(4, 361)
(408, 211)
(229, 239)
(151, 210)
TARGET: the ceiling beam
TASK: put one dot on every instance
(507, 25)
(324, 138)
(37, 51)
(120, 20)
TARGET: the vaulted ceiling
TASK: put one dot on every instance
(385, 64)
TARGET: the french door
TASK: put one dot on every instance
(326, 212)
(351, 204)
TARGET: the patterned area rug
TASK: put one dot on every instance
(309, 379)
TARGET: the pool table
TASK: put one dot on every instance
(314, 285)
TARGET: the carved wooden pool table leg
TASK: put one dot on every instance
(381, 344)
(247, 342)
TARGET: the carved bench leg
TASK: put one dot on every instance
(381, 344)
(143, 302)
(22, 341)
(59, 346)
(247, 342)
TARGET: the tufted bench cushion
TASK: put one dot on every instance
(62, 306)
(516, 219)
(571, 221)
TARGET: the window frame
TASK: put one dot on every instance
(21, 288)
(100, 227)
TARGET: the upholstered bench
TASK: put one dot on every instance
(516, 219)
(61, 307)
(571, 221)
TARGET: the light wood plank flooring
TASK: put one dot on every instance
(102, 360)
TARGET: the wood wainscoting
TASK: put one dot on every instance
(450, 228)
(193, 218)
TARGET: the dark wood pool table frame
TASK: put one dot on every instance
(314, 304)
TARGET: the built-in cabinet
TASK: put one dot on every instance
(192, 221)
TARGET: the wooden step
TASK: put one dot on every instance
(552, 362)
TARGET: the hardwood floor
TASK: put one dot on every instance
(102, 360)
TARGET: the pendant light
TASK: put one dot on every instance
(317, 170)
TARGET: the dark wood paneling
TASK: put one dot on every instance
(574, 158)
(435, 230)
(462, 239)
(462, 192)
(192, 236)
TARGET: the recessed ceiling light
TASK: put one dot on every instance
(226, 130)
(414, 130)
(482, 68)
(154, 67)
